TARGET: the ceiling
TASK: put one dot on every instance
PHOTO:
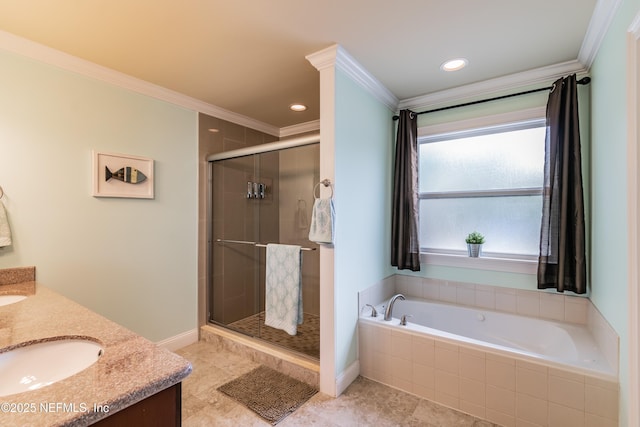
(248, 56)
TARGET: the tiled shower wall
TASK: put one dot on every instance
(299, 173)
(229, 136)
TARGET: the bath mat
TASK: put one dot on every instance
(268, 393)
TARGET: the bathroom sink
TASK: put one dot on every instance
(37, 365)
(10, 299)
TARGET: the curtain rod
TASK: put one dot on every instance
(582, 81)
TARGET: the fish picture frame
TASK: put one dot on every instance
(122, 175)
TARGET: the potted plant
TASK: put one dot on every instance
(474, 244)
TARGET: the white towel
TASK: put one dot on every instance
(283, 288)
(322, 221)
(5, 231)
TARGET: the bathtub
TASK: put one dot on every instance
(561, 345)
(508, 369)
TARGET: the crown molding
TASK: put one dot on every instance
(21, 46)
(511, 82)
(337, 56)
(312, 126)
(603, 14)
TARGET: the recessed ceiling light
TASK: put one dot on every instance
(454, 64)
(297, 107)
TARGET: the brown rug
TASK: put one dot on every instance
(268, 393)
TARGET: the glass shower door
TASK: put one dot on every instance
(262, 198)
(234, 299)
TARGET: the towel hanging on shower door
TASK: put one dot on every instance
(283, 287)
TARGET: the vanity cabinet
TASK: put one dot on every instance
(162, 409)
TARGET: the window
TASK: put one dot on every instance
(487, 180)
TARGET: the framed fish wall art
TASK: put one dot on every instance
(122, 175)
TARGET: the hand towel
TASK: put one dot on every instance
(5, 231)
(322, 221)
(283, 288)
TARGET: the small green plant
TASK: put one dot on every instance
(475, 237)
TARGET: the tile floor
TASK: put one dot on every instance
(364, 403)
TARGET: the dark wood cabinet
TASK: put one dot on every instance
(163, 409)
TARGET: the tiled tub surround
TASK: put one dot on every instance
(130, 370)
(495, 385)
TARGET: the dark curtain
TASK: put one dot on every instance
(562, 262)
(405, 248)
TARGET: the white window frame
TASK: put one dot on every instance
(515, 264)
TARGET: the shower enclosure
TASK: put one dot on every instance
(260, 195)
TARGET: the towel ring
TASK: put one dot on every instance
(326, 183)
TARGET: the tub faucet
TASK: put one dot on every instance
(389, 310)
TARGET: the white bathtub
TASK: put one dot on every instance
(565, 346)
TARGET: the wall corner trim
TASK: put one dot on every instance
(337, 56)
(346, 377)
(505, 84)
(603, 14)
(27, 48)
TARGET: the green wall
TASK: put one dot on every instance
(363, 159)
(131, 260)
(609, 192)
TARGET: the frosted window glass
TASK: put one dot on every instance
(512, 159)
(510, 224)
(505, 160)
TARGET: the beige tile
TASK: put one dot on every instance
(485, 299)
(446, 359)
(472, 391)
(567, 392)
(566, 374)
(501, 374)
(448, 292)
(610, 385)
(500, 418)
(531, 409)
(384, 340)
(466, 294)
(552, 306)
(506, 300)
(447, 400)
(470, 408)
(576, 310)
(401, 369)
(601, 401)
(531, 382)
(563, 416)
(431, 290)
(424, 376)
(447, 383)
(423, 350)
(401, 345)
(426, 393)
(528, 303)
(592, 420)
(471, 366)
(501, 400)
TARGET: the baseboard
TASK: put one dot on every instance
(178, 341)
(346, 377)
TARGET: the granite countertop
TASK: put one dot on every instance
(130, 369)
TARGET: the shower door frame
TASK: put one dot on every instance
(231, 154)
